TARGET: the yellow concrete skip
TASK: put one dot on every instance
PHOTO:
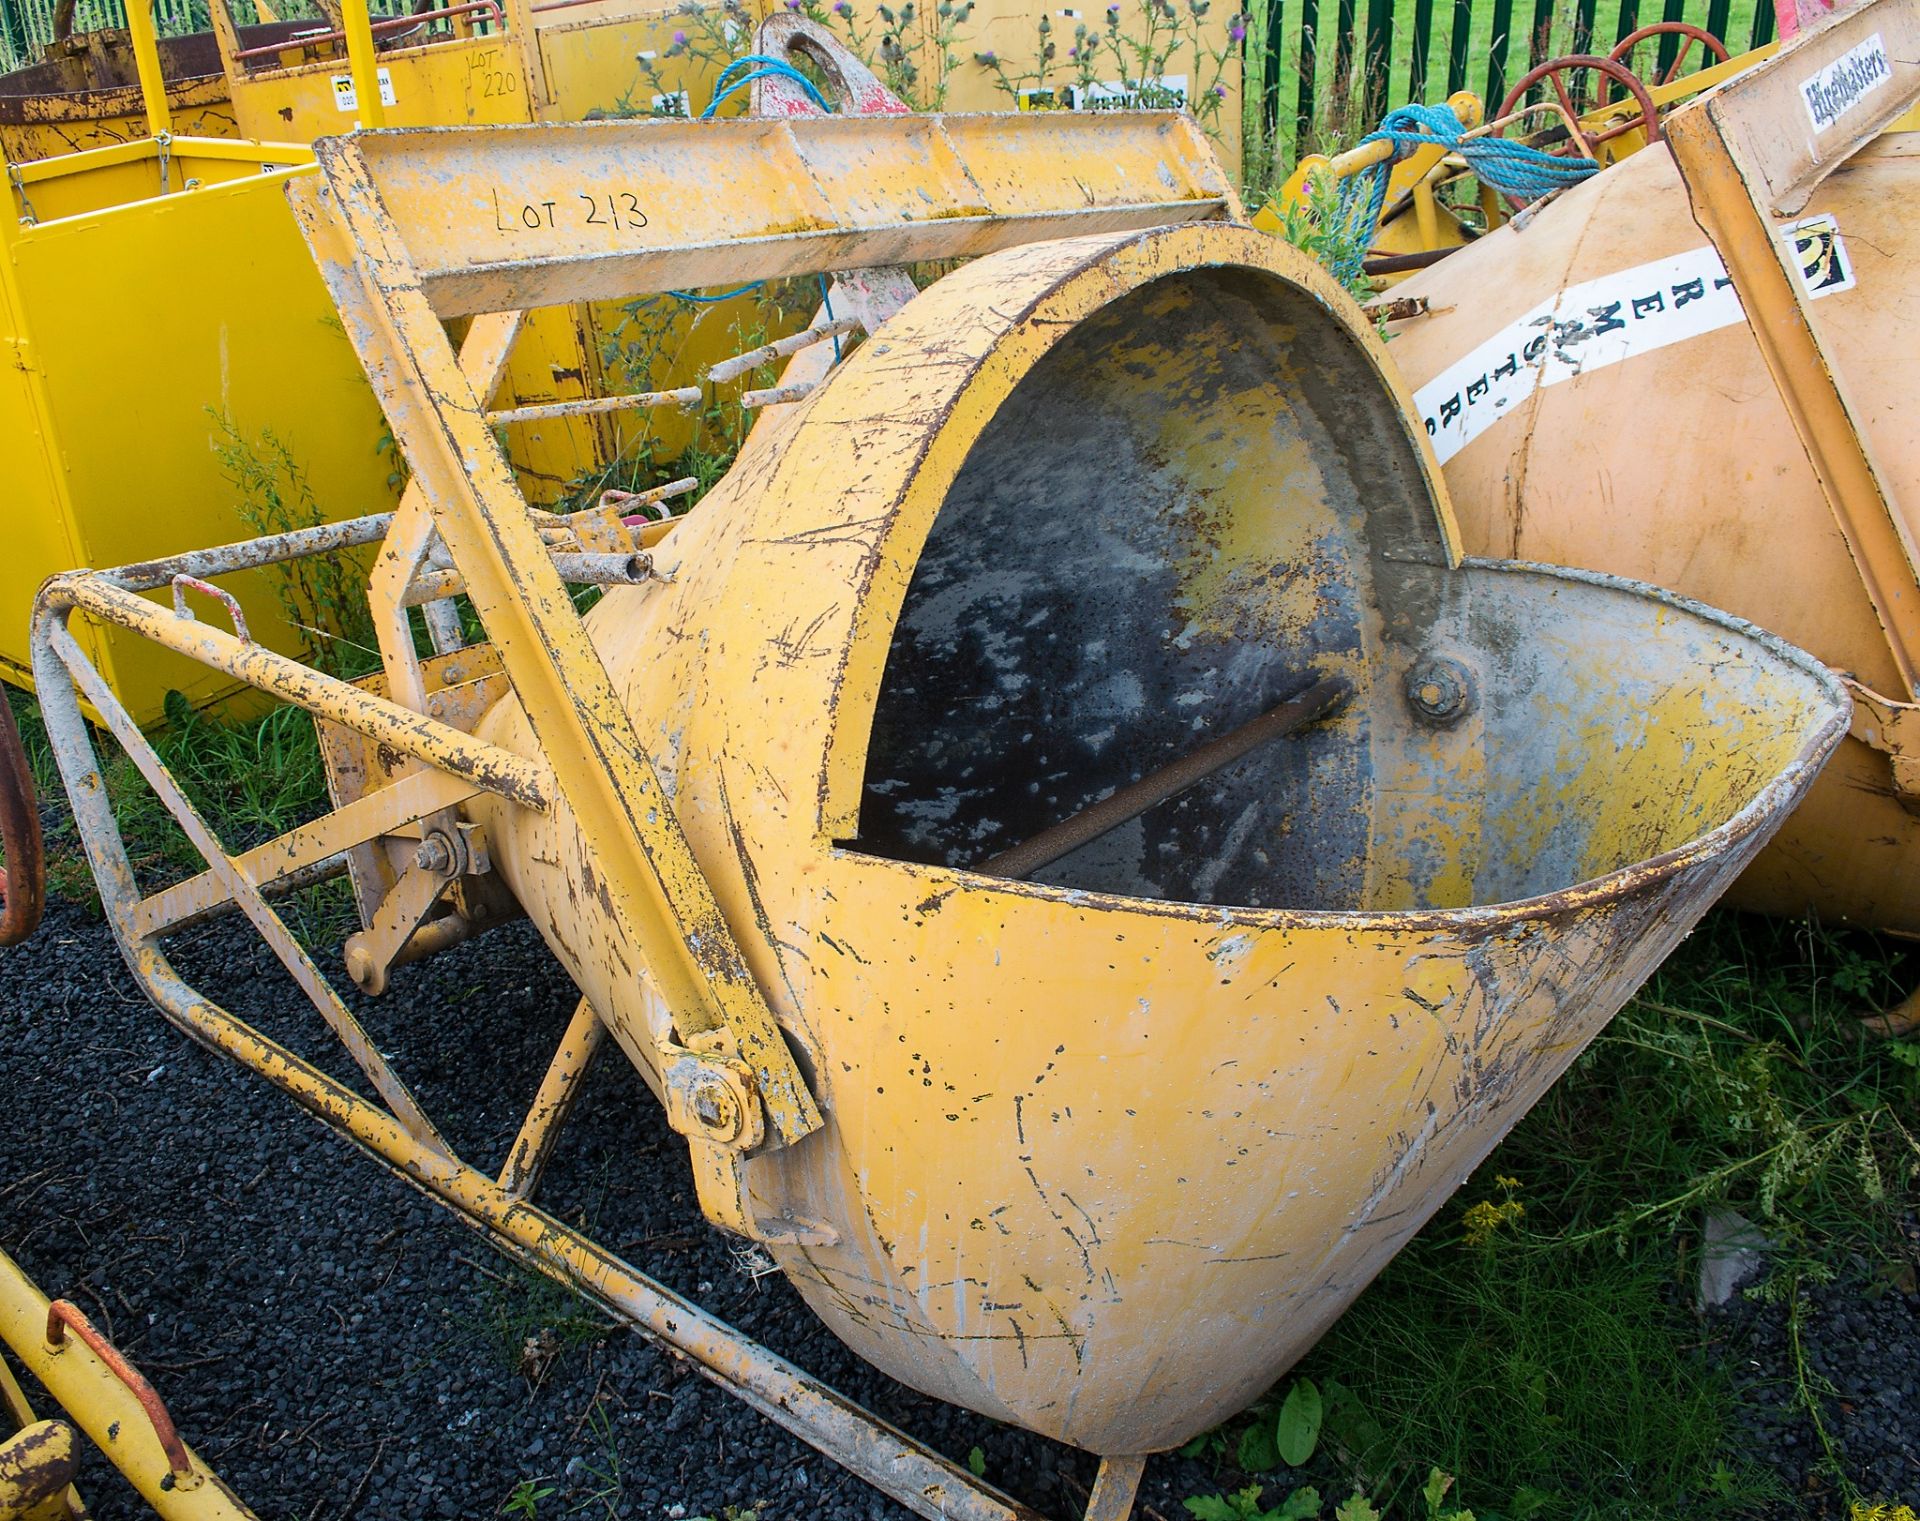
(1082, 860)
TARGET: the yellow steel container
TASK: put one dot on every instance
(134, 322)
(1097, 1142)
(1105, 1152)
(85, 93)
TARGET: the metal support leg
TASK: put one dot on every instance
(889, 1459)
(1114, 1487)
(527, 1159)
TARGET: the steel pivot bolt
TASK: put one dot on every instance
(1439, 690)
(714, 1107)
(435, 854)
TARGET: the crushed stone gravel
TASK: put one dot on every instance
(336, 1345)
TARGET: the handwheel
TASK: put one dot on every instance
(1685, 31)
(23, 883)
(1552, 72)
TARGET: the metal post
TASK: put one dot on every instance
(358, 27)
(146, 56)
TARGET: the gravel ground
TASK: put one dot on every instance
(336, 1345)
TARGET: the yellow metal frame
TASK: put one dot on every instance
(103, 1395)
(407, 233)
(1750, 160)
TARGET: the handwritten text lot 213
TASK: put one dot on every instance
(614, 210)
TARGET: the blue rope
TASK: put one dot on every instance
(725, 295)
(826, 300)
(758, 66)
(1513, 168)
(761, 67)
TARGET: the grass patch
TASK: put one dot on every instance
(531, 1321)
(1550, 1355)
(250, 781)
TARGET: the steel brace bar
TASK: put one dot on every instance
(863, 1443)
(893, 1462)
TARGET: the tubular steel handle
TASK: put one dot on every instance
(61, 1314)
(1686, 32)
(207, 588)
(23, 882)
(1614, 71)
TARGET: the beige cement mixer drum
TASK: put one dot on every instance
(1654, 444)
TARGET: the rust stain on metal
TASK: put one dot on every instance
(63, 1315)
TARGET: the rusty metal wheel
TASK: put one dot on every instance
(1685, 31)
(23, 881)
(1553, 72)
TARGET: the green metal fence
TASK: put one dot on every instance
(26, 26)
(1324, 71)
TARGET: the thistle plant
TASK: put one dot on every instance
(1128, 56)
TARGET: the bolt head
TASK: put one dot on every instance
(1439, 691)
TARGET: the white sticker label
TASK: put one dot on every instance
(1845, 82)
(1820, 254)
(1167, 93)
(346, 98)
(1604, 321)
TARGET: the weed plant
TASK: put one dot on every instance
(1540, 1338)
(322, 597)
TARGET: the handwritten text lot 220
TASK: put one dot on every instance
(615, 210)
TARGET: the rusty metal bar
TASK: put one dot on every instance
(627, 501)
(108, 1399)
(385, 24)
(775, 396)
(248, 554)
(780, 348)
(1086, 826)
(682, 396)
(23, 882)
(595, 568)
(540, 1131)
(226, 599)
(439, 745)
(63, 1315)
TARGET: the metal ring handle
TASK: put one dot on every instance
(1685, 30)
(1551, 71)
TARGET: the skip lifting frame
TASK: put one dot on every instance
(407, 230)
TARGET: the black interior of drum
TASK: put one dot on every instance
(1163, 532)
